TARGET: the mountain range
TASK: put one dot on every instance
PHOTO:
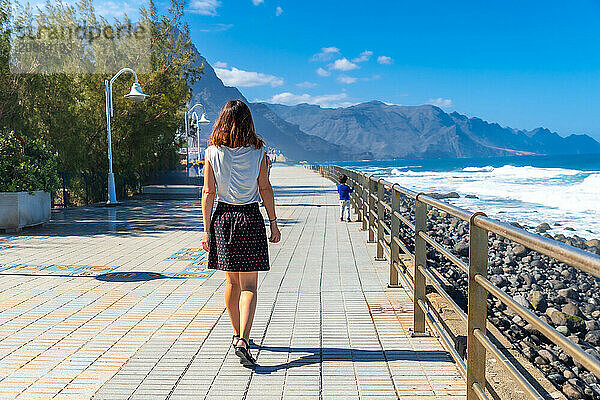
(375, 130)
(277, 133)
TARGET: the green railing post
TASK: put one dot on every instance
(380, 214)
(371, 210)
(394, 248)
(420, 259)
(477, 307)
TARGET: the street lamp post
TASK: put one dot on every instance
(199, 121)
(135, 94)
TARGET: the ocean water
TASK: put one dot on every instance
(563, 191)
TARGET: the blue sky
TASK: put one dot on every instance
(519, 63)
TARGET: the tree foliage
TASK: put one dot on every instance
(26, 165)
(67, 110)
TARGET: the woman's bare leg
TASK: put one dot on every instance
(232, 300)
(248, 283)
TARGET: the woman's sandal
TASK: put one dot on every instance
(234, 340)
(243, 353)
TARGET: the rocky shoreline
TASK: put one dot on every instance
(563, 296)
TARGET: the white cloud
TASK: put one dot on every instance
(215, 28)
(384, 60)
(257, 2)
(306, 84)
(323, 72)
(220, 64)
(241, 78)
(205, 7)
(326, 54)
(343, 64)
(278, 11)
(364, 56)
(439, 102)
(326, 100)
(346, 79)
(110, 8)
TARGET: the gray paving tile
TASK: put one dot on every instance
(314, 333)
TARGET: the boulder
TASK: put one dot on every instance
(568, 374)
(563, 330)
(572, 392)
(556, 284)
(549, 311)
(593, 243)
(439, 196)
(574, 323)
(538, 301)
(548, 355)
(593, 352)
(462, 248)
(557, 379)
(543, 227)
(559, 318)
(592, 325)
(520, 250)
(498, 281)
(568, 293)
(593, 337)
(571, 309)
(522, 301)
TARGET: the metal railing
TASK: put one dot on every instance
(83, 188)
(368, 200)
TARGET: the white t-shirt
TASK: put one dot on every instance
(236, 172)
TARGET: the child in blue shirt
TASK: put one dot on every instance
(344, 192)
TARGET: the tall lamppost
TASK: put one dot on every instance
(135, 94)
(199, 121)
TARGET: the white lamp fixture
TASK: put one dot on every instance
(136, 94)
(203, 120)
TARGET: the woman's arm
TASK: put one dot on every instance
(208, 199)
(268, 198)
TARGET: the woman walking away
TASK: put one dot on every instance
(235, 237)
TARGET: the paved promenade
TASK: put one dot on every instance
(117, 304)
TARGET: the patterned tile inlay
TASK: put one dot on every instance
(102, 272)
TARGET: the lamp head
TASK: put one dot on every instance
(203, 120)
(136, 93)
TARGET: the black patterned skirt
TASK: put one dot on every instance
(238, 239)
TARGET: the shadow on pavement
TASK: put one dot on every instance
(131, 218)
(137, 276)
(346, 354)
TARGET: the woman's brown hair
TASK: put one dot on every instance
(235, 128)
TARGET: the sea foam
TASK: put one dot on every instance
(530, 194)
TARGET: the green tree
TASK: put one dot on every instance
(26, 165)
(11, 111)
(67, 110)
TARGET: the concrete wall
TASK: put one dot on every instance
(21, 209)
